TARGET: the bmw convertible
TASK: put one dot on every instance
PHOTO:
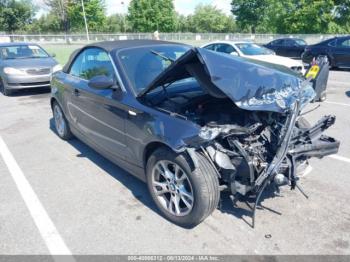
(189, 122)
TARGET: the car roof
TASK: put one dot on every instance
(121, 44)
(110, 46)
(342, 37)
(15, 43)
(229, 42)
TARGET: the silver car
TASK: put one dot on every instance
(25, 65)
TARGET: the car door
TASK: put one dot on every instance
(99, 114)
(277, 46)
(341, 52)
(291, 48)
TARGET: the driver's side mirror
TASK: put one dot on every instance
(53, 55)
(101, 82)
(234, 53)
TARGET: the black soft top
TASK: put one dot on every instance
(121, 44)
(110, 46)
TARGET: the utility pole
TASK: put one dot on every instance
(124, 20)
(86, 25)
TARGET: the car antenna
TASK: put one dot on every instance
(163, 56)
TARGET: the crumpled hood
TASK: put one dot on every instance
(251, 85)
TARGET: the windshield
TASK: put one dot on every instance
(300, 42)
(253, 49)
(143, 64)
(22, 51)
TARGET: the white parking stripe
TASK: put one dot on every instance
(341, 158)
(47, 229)
(336, 103)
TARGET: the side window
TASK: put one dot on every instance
(288, 42)
(225, 48)
(92, 62)
(345, 43)
(277, 42)
(210, 47)
(76, 66)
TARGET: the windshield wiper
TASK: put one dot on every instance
(163, 56)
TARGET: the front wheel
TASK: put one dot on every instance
(185, 195)
(4, 90)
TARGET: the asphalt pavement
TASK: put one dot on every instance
(61, 197)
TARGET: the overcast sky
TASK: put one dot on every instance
(182, 6)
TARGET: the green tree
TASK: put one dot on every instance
(182, 23)
(250, 14)
(58, 9)
(95, 15)
(304, 16)
(15, 14)
(116, 23)
(208, 18)
(342, 16)
(48, 23)
(151, 15)
(69, 13)
(292, 16)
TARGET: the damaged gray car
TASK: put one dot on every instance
(190, 122)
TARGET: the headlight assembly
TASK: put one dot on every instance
(56, 68)
(13, 71)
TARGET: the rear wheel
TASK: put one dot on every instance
(61, 123)
(185, 195)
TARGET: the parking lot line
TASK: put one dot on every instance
(336, 103)
(47, 229)
(341, 158)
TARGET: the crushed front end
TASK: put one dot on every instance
(268, 150)
(249, 117)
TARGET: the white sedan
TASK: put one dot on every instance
(256, 52)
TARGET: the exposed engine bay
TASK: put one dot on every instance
(251, 149)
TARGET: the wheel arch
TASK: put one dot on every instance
(153, 146)
(53, 100)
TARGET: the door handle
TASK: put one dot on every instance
(76, 92)
(132, 113)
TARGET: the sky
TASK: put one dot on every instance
(182, 6)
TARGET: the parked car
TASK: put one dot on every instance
(25, 65)
(336, 49)
(188, 121)
(289, 47)
(256, 52)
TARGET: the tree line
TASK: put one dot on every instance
(19, 16)
(292, 16)
(248, 16)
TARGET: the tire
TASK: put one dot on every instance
(4, 90)
(330, 61)
(201, 182)
(61, 123)
(323, 97)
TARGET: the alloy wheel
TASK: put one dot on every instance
(59, 120)
(172, 188)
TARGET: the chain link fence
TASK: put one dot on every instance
(191, 38)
